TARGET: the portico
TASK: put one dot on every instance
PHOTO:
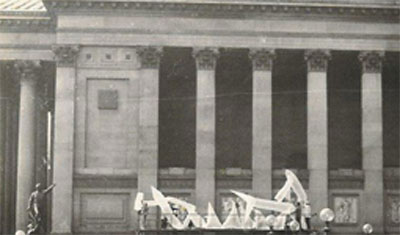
(106, 142)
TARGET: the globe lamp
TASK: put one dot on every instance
(367, 228)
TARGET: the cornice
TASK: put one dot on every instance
(234, 9)
(27, 24)
(346, 179)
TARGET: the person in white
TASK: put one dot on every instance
(307, 214)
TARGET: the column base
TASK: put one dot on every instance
(373, 191)
(318, 192)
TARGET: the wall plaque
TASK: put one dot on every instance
(107, 99)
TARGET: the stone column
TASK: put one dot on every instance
(27, 75)
(372, 137)
(148, 122)
(205, 127)
(317, 127)
(262, 121)
(3, 103)
(64, 138)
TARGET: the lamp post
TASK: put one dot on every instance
(367, 228)
(294, 226)
(270, 221)
(327, 216)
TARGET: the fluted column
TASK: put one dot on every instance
(205, 126)
(64, 138)
(148, 122)
(27, 75)
(372, 137)
(317, 127)
(262, 121)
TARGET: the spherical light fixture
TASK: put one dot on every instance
(326, 215)
(20, 232)
(294, 225)
(367, 228)
(270, 221)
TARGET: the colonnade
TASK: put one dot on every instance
(206, 58)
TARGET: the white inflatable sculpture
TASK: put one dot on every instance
(166, 209)
(192, 215)
(233, 221)
(253, 202)
(212, 219)
(296, 186)
(284, 192)
(139, 202)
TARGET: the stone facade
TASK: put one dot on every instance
(98, 65)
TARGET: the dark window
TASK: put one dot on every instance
(390, 91)
(344, 110)
(233, 109)
(177, 109)
(289, 116)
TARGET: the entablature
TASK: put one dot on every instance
(368, 11)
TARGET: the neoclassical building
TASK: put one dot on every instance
(106, 98)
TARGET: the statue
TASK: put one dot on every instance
(35, 207)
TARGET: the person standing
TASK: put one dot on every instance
(144, 211)
(307, 214)
(298, 212)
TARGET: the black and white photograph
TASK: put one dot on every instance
(199, 117)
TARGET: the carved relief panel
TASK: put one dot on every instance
(392, 210)
(346, 209)
(106, 211)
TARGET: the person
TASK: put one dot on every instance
(35, 206)
(298, 212)
(164, 222)
(144, 211)
(307, 214)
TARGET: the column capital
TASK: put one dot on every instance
(149, 56)
(66, 55)
(317, 60)
(262, 58)
(206, 58)
(371, 61)
(27, 69)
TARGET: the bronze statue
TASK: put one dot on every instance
(35, 207)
